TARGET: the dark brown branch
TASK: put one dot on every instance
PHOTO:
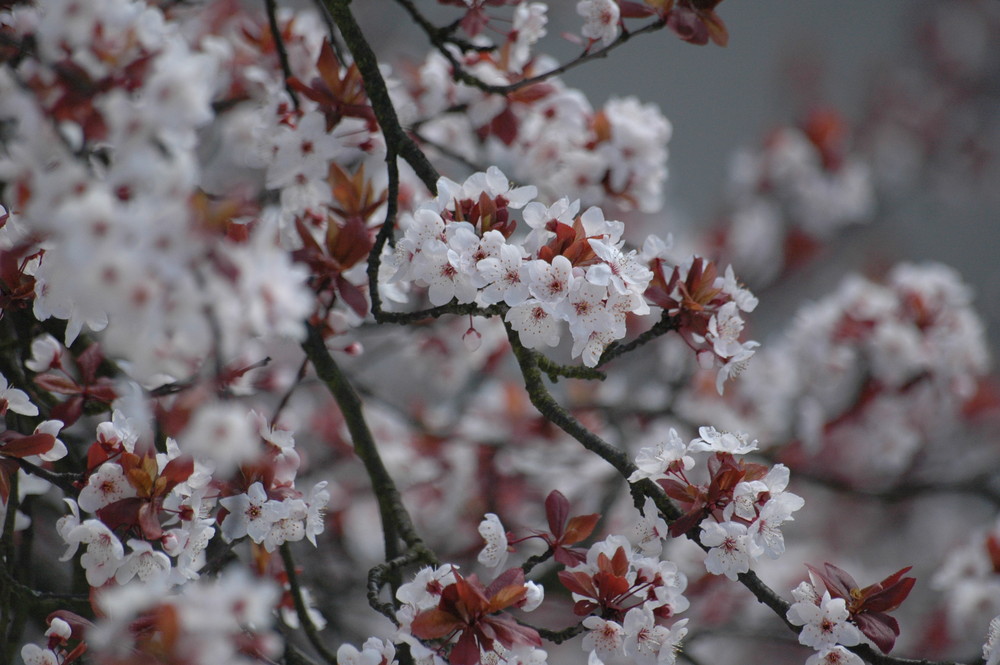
(666, 324)
(554, 413)
(378, 94)
(384, 233)
(271, 9)
(395, 518)
(300, 607)
(440, 37)
(64, 481)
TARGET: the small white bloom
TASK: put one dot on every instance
(12, 399)
(606, 638)
(824, 625)
(729, 554)
(654, 461)
(713, 440)
(494, 554)
(835, 655)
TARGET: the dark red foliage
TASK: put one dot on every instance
(869, 606)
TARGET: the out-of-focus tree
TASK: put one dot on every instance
(260, 286)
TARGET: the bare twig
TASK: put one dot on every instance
(308, 627)
(271, 9)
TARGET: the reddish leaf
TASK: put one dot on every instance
(881, 629)
(327, 63)
(993, 548)
(176, 472)
(675, 489)
(579, 528)
(7, 469)
(716, 28)
(466, 594)
(610, 585)
(533, 93)
(507, 596)
(102, 391)
(433, 624)
(511, 576)
(353, 296)
(504, 126)
(96, 456)
(124, 512)
(89, 361)
(556, 511)
(511, 633)
(69, 411)
(891, 595)
(57, 383)
(75, 654)
(26, 446)
(619, 562)
(687, 522)
(466, 650)
(629, 9)
(838, 582)
(580, 583)
(570, 556)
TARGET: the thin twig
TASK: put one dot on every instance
(308, 627)
(441, 38)
(395, 518)
(378, 94)
(279, 46)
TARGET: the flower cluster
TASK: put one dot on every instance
(894, 360)
(633, 596)
(544, 133)
(223, 620)
(799, 190)
(846, 614)
(468, 620)
(741, 508)
(164, 502)
(101, 154)
(569, 268)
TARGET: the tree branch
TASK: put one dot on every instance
(395, 518)
(378, 93)
(300, 607)
(271, 9)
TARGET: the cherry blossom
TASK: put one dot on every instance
(730, 548)
(252, 514)
(12, 399)
(824, 625)
(494, 553)
(601, 19)
(605, 638)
